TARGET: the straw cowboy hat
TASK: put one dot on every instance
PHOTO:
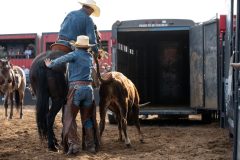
(82, 42)
(92, 4)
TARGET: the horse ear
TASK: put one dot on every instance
(5, 59)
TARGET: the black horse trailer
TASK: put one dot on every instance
(174, 63)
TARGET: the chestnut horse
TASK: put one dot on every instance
(12, 85)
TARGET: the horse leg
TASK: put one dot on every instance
(6, 105)
(57, 104)
(102, 112)
(123, 115)
(11, 101)
(21, 111)
(118, 117)
(21, 97)
(135, 113)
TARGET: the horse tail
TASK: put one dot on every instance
(17, 99)
(42, 105)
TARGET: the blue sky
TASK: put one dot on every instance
(36, 16)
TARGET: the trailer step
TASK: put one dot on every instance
(167, 111)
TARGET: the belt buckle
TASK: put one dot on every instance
(76, 86)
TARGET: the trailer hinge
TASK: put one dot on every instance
(236, 52)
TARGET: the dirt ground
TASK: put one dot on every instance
(164, 140)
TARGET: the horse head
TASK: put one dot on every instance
(5, 64)
(5, 71)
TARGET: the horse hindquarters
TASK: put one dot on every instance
(57, 88)
(19, 98)
(102, 112)
(19, 88)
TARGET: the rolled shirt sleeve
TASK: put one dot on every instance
(91, 34)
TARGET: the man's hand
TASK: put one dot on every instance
(47, 62)
(102, 54)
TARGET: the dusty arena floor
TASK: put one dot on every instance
(165, 140)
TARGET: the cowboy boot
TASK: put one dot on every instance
(70, 136)
(89, 140)
(73, 140)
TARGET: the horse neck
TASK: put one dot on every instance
(6, 74)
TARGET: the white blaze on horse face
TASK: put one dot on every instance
(8, 66)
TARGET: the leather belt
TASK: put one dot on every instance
(85, 83)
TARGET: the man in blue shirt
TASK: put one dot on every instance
(77, 23)
(80, 96)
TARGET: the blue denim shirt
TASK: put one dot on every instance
(79, 23)
(80, 65)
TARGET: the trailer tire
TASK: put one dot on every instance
(206, 117)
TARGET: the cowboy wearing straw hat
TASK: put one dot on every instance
(77, 23)
(80, 96)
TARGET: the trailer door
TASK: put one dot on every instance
(196, 66)
(204, 65)
(211, 75)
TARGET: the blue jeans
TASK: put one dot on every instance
(84, 97)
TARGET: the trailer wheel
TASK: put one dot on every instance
(230, 135)
(112, 119)
(206, 117)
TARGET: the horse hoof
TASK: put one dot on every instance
(72, 150)
(59, 146)
(129, 145)
(142, 141)
(53, 149)
(120, 140)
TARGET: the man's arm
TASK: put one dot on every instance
(63, 59)
(91, 34)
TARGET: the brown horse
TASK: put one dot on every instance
(12, 85)
(49, 84)
(118, 94)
